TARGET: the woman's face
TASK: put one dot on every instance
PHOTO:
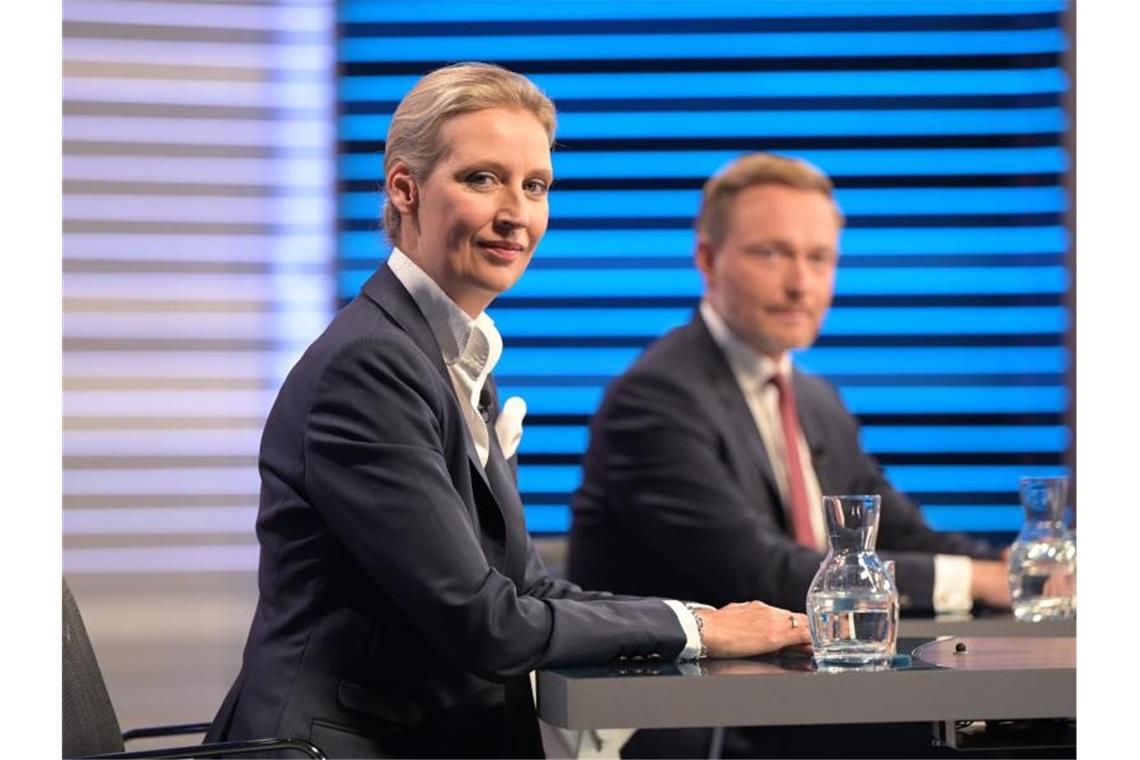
(483, 208)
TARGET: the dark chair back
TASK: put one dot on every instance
(89, 723)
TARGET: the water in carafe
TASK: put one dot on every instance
(1043, 559)
(854, 628)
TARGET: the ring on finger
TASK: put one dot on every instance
(792, 619)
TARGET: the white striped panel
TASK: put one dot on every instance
(298, 59)
(161, 559)
(135, 403)
(309, 211)
(179, 325)
(256, 93)
(158, 443)
(305, 290)
(252, 365)
(313, 133)
(311, 175)
(134, 280)
(299, 17)
(299, 248)
(165, 480)
(158, 521)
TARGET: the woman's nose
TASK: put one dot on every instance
(512, 208)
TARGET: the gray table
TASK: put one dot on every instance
(997, 678)
(985, 625)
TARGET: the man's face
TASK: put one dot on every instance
(773, 276)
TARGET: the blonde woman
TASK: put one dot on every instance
(402, 604)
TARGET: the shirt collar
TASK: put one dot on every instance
(751, 368)
(471, 345)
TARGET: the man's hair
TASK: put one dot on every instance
(443, 94)
(749, 171)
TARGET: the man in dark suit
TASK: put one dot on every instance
(713, 446)
(707, 458)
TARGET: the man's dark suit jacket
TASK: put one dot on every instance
(400, 595)
(679, 497)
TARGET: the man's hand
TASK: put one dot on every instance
(750, 628)
(989, 583)
(1060, 584)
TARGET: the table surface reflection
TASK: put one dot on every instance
(995, 678)
(983, 623)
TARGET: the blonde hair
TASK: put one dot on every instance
(413, 135)
(748, 171)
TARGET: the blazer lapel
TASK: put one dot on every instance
(504, 485)
(722, 382)
(386, 290)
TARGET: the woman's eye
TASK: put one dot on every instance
(536, 187)
(481, 179)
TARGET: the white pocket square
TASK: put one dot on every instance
(509, 425)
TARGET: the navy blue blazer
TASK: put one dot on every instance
(679, 497)
(400, 595)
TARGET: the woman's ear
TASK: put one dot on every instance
(403, 193)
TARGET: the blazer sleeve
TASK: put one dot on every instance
(540, 584)
(904, 535)
(664, 467)
(376, 472)
(901, 526)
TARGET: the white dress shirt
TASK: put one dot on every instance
(471, 347)
(753, 372)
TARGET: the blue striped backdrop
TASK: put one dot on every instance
(944, 126)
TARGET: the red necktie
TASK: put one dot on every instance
(797, 487)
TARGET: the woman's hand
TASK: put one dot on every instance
(748, 628)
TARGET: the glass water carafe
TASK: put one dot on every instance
(852, 603)
(1043, 558)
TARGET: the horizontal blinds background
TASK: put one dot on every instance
(944, 126)
(198, 238)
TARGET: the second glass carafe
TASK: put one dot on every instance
(1043, 558)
